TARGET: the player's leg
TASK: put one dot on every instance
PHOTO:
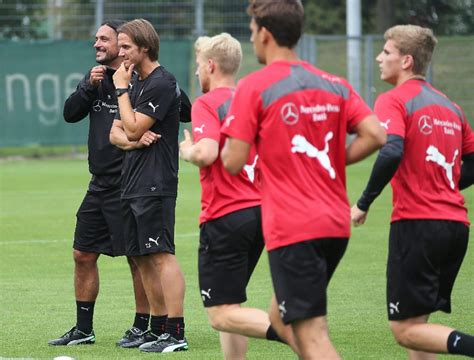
(86, 286)
(284, 332)
(312, 339)
(233, 318)
(91, 238)
(301, 291)
(424, 259)
(234, 346)
(160, 272)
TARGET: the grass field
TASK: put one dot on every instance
(38, 201)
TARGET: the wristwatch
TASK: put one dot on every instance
(120, 91)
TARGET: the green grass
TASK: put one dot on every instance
(38, 202)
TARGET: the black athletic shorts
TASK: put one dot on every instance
(99, 223)
(424, 258)
(149, 225)
(229, 249)
(301, 274)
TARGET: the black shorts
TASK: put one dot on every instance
(149, 225)
(99, 223)
(301, 274)
(424, 258)
(229, 249)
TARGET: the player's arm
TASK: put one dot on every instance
(384, 169)
(467, 171)
(234, 155)
(202, 154)
(118, 138)
(79, 103)
(135, 124)
(370, 136)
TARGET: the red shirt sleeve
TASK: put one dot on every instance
(356, 110)
(242, 119)
(467, 138)
(391, 113)
(205, 121)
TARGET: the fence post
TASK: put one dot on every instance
(99, 14)
(354, 30)
(369, 69)
(199, 18)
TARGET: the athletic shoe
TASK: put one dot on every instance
(135, 337)
(165, 343)
(74, 337)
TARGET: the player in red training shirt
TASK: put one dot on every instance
(428, 139)
(231, 238)
(298, 117)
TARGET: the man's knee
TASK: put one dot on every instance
(218, 316)
(402, 332)
(83, 258)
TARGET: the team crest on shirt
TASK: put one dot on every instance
(289, 114)
(425, 124)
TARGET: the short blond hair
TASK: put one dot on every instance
(225, 50)
(417, 41)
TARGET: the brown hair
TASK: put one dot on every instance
(284, 19)
(144, 35)
(417, 41)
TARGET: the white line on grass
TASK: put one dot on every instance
(51, 241)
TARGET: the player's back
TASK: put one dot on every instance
(302, 115)
(222, 193)
(436, 134)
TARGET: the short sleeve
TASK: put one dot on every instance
(467, 138)
(356, 110)
(157, 97)
(205, 121)
(242, 119)
(391, 113)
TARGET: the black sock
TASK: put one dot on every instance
(462, 344)
(141, 321)
(85, 314)
(175, 327)
(272, 335)
(158, 324)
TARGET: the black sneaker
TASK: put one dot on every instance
(74, 337)
(135, 337)
(165, 343)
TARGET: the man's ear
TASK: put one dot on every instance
(265, 35)
(408, 62)
(211, 65)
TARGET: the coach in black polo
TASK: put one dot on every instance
(149, 100)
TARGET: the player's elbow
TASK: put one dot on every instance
(230, 164)
(132, 135)
(379, 137)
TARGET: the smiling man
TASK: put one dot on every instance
(149, 102)
(428, 140)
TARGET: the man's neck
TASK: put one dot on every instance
(115, 64)
(278, 53)
(145, 68)
(404, 77)
(222, 81)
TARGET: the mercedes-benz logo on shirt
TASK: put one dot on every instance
(96, 106)
(425, 124)
(289, 114)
